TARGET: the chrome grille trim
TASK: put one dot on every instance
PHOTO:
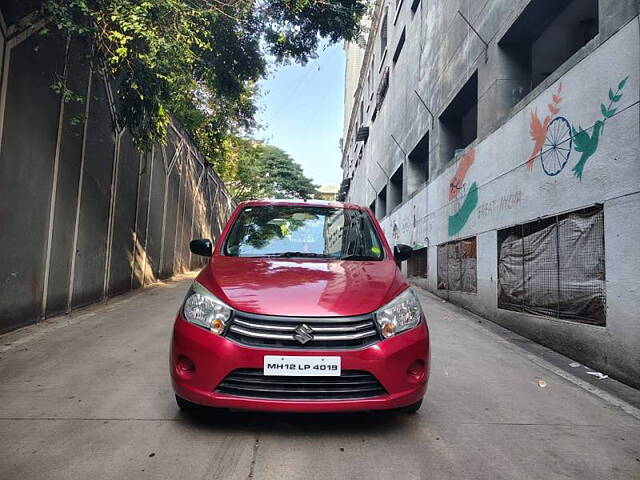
(259, 326)
(275, 336)
(291, 328)
(248, 333)
(280, 332)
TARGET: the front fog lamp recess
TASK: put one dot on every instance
(400, 314)
(203, 308)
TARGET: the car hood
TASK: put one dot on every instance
(302, 287)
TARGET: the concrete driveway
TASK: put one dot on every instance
(88, 396)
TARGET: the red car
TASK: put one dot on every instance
(302, 307)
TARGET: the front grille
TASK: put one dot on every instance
(248, 382)
(302, 332)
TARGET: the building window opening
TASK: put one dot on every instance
(417, 263)
(383, 33)
(457, 266)
(373, 206)
(382, 90)
(545, 35)
(555, 267)
(418, 165)
(459, 121)
(399, 45)
(395, 190)
(381, 203)
(371, 76)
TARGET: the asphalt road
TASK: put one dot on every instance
(88, 396)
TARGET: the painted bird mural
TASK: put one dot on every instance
(588, 144)
(585, 144)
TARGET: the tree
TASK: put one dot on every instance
(239, 168)
(198, 60)
(252, 170)
(281, 176)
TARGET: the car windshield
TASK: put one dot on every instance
(303, 231)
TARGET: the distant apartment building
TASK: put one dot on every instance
(326, 192)
(500, 139)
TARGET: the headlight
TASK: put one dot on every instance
(400, 314)
(203, 308)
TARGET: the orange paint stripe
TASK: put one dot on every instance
(463, 167)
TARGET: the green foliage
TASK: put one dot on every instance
(258, 228)
(281, 176)
(239, 168)
(66, 93)
(197, 60)
(253, 170)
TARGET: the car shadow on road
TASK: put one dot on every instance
(372, 422)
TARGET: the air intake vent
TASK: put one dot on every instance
(352, 384)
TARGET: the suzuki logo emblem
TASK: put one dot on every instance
(302, 333)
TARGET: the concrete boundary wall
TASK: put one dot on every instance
(84, 215)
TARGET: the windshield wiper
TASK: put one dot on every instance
(295, 254)
(359, 257)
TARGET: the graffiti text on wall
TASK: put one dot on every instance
(510, 201)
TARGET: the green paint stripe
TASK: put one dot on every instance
(460, 218)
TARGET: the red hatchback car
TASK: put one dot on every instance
(302, 307)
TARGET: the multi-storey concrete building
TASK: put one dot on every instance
(500, 139)
(354, 53)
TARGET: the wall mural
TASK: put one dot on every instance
(458, 220)
(587, 145)
(539, 132)
(554, 137)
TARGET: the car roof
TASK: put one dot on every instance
(300, 202)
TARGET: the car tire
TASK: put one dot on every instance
(410, 409)
(186, 405)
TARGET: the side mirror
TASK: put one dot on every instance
(402, 252)
(201, 246)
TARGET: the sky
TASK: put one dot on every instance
(301, 111)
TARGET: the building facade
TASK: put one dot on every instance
(500, 139)
(353, 53)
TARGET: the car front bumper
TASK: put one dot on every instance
(214, 357)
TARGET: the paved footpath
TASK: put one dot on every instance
(87, 396)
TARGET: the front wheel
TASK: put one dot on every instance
(410, 409)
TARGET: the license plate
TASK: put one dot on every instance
(302, 366)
